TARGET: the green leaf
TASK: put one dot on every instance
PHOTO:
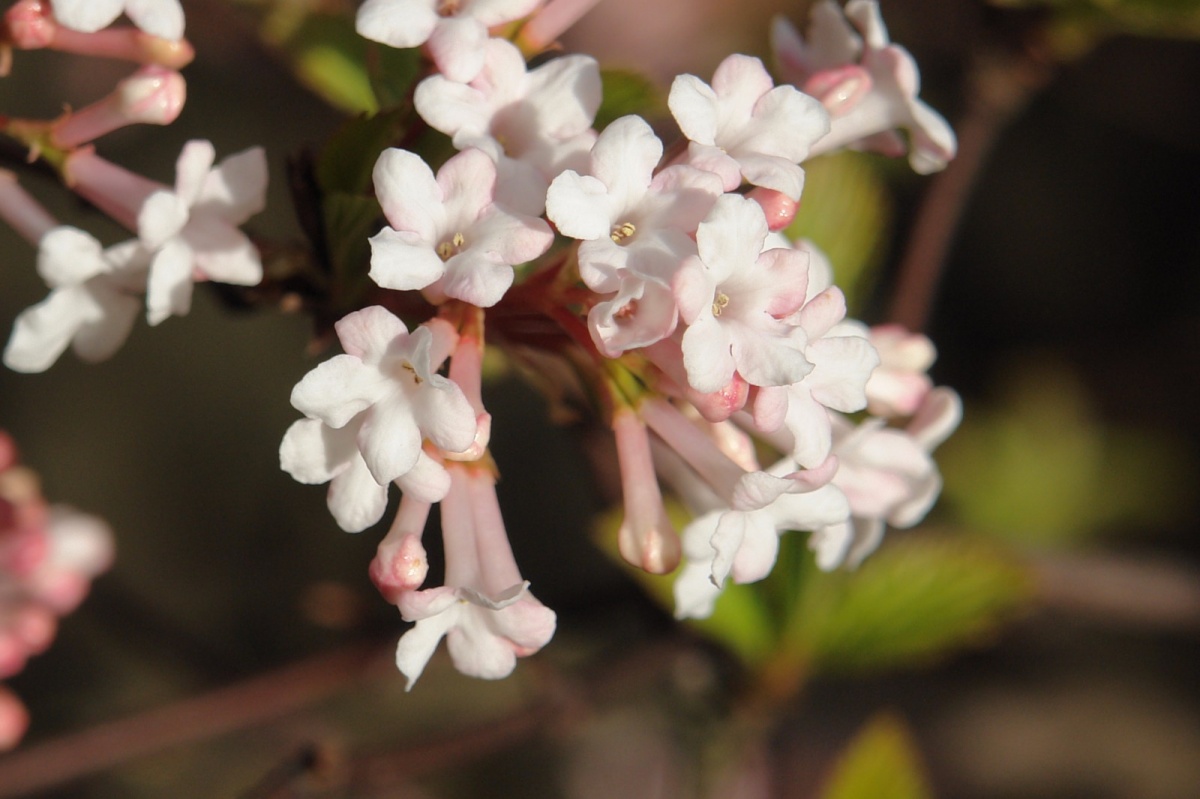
(918, 597)
(846, 212)
(349, 220)
(882, 762)
(627, 92)
(330, 58)
(346, 161)
(392, 72)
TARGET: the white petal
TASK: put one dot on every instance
(355, 499)
(192, 169)
(237, 189)
(398, 23)
(312, 452)
(162, 18)
(99, 339)
(169, 290)
(42, 332)
(161, 217)
(338, 390)
(409, 194)
(68, 255)
(88, 16)
(390, 439)
(404, 261)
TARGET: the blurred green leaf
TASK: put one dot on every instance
(882, 762)
(329, 57)
(846, 212)
(1041, 468)
(1078, 19)
(628, 92)
(916, 598)
(392, 72)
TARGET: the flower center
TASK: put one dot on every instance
(623, 231)
(406, 367)
(719, 303)
(451, 247)
(448, 8)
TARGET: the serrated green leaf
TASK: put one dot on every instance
(916, 598)
(882, 762)
(846, 211)
(627, 92)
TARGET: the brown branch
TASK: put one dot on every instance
(999, 92)
(244, 704)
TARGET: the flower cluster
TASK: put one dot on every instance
(48, 557)
(656, 277)
(184, 233)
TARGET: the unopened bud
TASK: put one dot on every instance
(839, 89)
(30, 25)
(779, 208)
(152, 95)
(399, 566)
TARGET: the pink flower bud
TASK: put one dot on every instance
(839, 89)
(30, 25)
(779, 208)
(152, 95)
(399, 566)
(646, 538)
(550, 22)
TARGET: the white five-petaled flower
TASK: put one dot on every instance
(453, 31)
(636, 229)
(387, 383)
(734, 297)
(447, 235)
(869, 84)
(744, 126)
(193, 230)
(534, 123)
(162, 18)
(94, 299)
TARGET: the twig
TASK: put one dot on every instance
(253, 701)
(999, 92)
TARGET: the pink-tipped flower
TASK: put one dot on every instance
(400, 562)
(869, 84)
(32, 26)
(485, 610)
(151, 96)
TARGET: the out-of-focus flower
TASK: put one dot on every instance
(869, 85)
(454, 32)
(162, 18)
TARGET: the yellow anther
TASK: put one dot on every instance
(622, 232)
(448, 249)
(719, 303)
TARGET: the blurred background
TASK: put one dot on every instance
(1037, 637)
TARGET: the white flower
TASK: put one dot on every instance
(447, 235)
(162, 18)
(734, 296)
(390, 377)
(869, 84)
(887, 473)
(312, 452)
(745, 543)
(194, 229)
(92, 305)
(745, 126)
(533, 123)
(453, 31)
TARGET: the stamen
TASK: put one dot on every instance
(719, 303)
(622, 232)
(448, 249)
